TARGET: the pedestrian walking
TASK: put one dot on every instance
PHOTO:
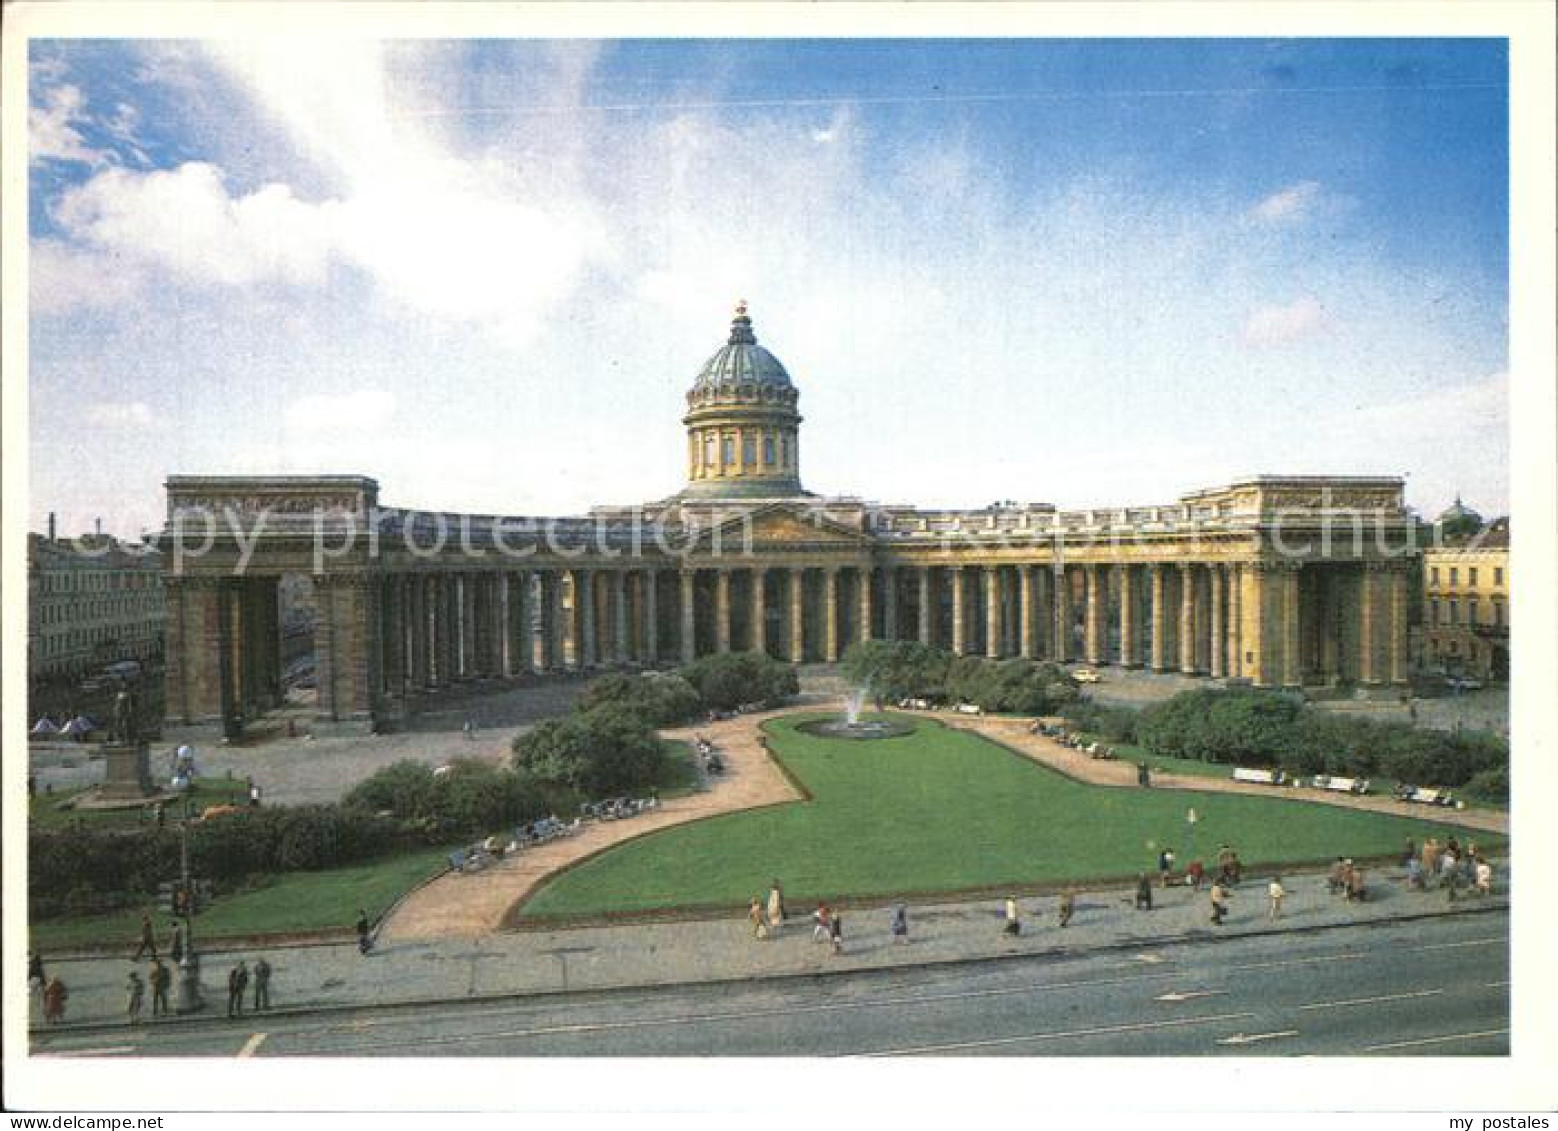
(54, 997)
(237, 983)
(1165, 866)
(1274, 894)
(1355, 886)
(1410, 854)
(775, 906)
(36, 979)
(148, 940)
(364, 935)
(900, 924)
(1336, 882)
(821, 930)
(1068, 906)
(261, 984)
(1414, 874)
(1484, 881)
(1196, 874)
(836, 932)
(136, 997)
(758, 918)
(1143, 892)
(176, 945)
(1219, 899)
(1013, 918)
(1143, 775)
(160, 979)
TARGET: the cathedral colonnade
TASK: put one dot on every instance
(387, 641)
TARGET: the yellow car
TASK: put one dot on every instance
(1086, 675)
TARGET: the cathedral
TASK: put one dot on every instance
(1274, 581)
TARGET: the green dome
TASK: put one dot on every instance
(741, 361)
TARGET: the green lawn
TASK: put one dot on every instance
(943, 811)
(294, 902)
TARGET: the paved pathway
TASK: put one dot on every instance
(461, 905)
(1014, 734)
(403, 970)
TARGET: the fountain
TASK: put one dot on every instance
(852, 726)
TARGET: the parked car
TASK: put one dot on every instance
(1086, 675)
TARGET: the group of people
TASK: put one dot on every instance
(1346, 879)
(768, 917)
(238, 981)
(52, 991)
(1448, 865)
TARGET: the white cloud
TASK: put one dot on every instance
(1290, 204)
(63, 278)
(1456, 411)
(185, 221)
(1282, 325)
(121, 415)
(360, 410)
(51, 128)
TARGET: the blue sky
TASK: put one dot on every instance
(1087, 272)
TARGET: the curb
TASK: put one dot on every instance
(1183, 938)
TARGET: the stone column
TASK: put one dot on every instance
(619, 617)
(584, 597)
(722, 609)
(1062, 616)
(1026, 645)
(797, 610)
(959, 638)
(830, 614)
(992, 580)
(1130, 656)
(446, 608)
(560, 632)
(926, 610)
(889, 603)
(392, 596)
(759, 610)
(1396, 642)
(1219, 668)
(346, 672)
(1158, 626)
(1095, 617)
(689, 616)
(1187, 618)
(1235, 620)
(864, 574)
(520, 596)
(1292, 671)
(651, 607)
(1368, 624)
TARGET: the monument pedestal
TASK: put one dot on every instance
(128, 773)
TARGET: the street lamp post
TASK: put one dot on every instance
(189, 964)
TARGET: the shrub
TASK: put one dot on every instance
(403, 788)
(663, 698)
(608, 750)
(470, 797)
(1490, 785)
(728, 680)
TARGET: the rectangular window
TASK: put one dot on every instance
(730, 451)
(1471, 576)
(1498, 575)
(749, 451)
(1433, 577)
(1498, 613)
(768, 451)
(1455, 577)
(1438, 615)
(1471, 613)
(784, 450)
(708, 452)
(1455, 612)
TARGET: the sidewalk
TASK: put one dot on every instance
(334, 976)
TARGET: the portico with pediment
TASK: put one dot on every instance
(1284, 582)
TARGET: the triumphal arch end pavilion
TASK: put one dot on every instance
(1282, 582)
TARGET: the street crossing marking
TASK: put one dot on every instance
(1186, 995)
(1494, 985)
(1055, 1035)
(1371, 1000)
(1435, 1040)
(251, 1045)
(1252, 1038)
(1453, 945)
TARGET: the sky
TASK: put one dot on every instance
(485, 272)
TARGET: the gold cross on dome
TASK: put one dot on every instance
(741, 308)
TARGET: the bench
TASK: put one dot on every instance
(1258, 777)
(1340, 785)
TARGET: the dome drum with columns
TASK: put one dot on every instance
(743, 430)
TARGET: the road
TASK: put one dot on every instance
(1434, 988)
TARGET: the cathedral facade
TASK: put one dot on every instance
(1275, 581)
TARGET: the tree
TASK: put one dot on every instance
(664, 698)
(608, 750)
(727, 680)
